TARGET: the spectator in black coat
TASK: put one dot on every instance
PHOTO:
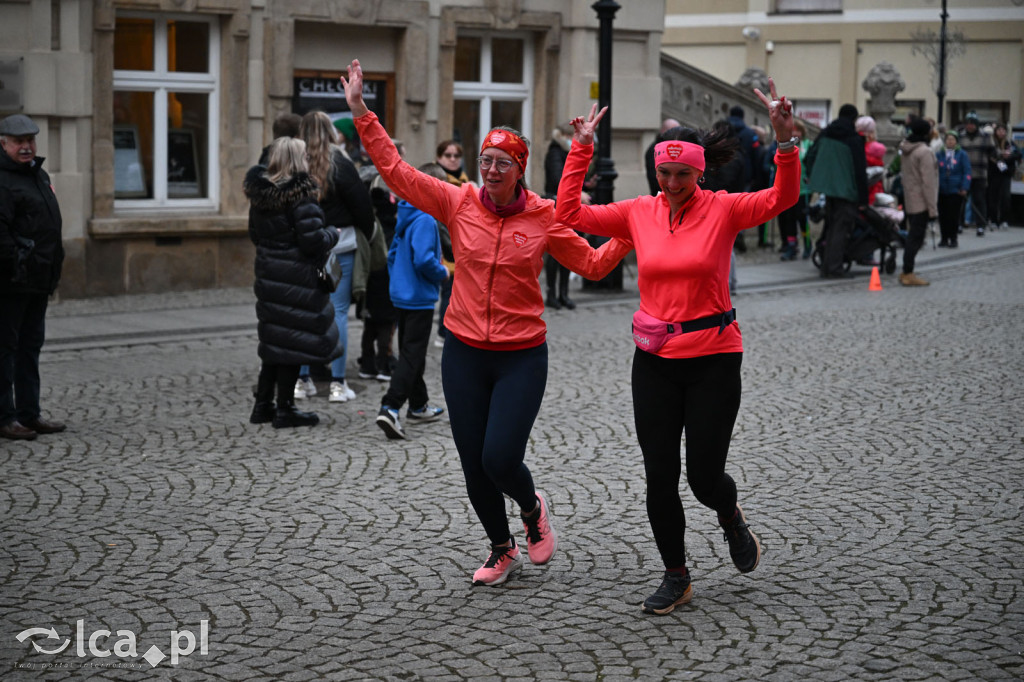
(31, 257)
(296, 316)
(346, 203)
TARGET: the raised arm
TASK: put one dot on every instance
(609, 220)
(433, 196)
(754, 208)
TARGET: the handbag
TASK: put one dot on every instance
(328, 273)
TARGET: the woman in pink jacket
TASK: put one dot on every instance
(494, 364)
(686, 369)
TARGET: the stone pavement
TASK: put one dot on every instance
(879, 453)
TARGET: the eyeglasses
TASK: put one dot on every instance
(503, 165)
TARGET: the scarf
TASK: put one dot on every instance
(517, 206)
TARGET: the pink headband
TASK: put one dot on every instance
(674, 151)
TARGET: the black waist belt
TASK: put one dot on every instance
(721, 321)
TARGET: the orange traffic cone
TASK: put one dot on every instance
(876, 281)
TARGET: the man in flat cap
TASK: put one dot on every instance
(31, 255)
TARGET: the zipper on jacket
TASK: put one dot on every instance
(490, 280)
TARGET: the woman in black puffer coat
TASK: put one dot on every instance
(296, 317)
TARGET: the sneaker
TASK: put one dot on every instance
(675, 590)
(499, 566)
(367, 374)
(1004, 225)
(383, 376)
(541, 540)
(743, 545)
(304, 388)
(337, 393)
(981, 231)
(427, 413)
(340, 392)
(439, 342)
(910, 279)
(387, 420)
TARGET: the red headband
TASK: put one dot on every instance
(509, 143)
(675, 151)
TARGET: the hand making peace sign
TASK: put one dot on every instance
(780, 111)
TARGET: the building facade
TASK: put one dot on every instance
(821, 52)
(151, 111)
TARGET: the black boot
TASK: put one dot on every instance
(563, 290)
(287, 416)
(262, 412)
(552, 301)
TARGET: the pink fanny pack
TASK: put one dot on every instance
(650, 333)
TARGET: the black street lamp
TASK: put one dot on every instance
(941, 91)
(605, 167)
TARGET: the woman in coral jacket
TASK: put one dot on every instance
(495, 359)
(686, 369)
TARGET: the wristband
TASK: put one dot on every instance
(789, 144)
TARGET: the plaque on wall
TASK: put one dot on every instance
(183, 180)
(129, 173)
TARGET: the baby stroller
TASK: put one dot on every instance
(875, 229)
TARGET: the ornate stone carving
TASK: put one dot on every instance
(356, 8)
(415, 115)
(753, 78)
(506, 12)
(883, 83)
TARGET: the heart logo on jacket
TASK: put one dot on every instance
(519, 238)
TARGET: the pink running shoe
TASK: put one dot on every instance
(499, 566)
(541, 540)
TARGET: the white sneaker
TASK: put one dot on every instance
(340, 392)
(337, 394)
(304, 388)
(439, 342)
(1004, 225)
(426, 413)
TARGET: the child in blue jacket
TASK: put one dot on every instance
(416, 272)
(954, 183)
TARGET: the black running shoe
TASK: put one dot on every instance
(675, 590)
(387, 420)
(743, 545)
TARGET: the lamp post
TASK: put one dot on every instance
(605, 168)
(941, 91)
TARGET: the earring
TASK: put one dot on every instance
(701, 181)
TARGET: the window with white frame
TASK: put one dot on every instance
(493, 86)
(166, 80)
(807, 6)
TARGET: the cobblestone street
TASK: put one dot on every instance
(879, 453)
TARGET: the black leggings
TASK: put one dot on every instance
(493, 399)
(698, 396)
